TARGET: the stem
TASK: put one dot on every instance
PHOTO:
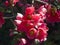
(14, 24)
(44, 2)
(8, 17)
(41, 1)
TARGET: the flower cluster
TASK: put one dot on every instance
(32, 23)
(53, 15)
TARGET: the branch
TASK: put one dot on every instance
(41, 1)
(9, 17)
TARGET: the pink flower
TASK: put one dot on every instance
(1, 19)
(44, 26)
(29, 10)
(32, 33)
(52, 16)
(17, 22)
(32, 24)
(42, 34)
(25, 26)
(22, 41)
(6, 3)
(36, 17)
(27, 17)
(42, 11)
(48, 7)
(19, 16)
(15, 1)
(18, 19)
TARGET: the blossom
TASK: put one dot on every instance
(29, 10)
(42, 11)
(32, 33)
(36, 17)
(19, 16)
(42, 34)
(15, 1)
(6, 3)
(22, 41)
(44, 26)
(1, 19)
(18, 19)
(25, 26)
(52, 16)
(32, 24)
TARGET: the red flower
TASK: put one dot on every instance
(19, 16)
(22, 41)
(42, 34)
(36, 17)
(1, 19)
(29, 10)
(15, 1)
(42, 11)
(44, 26)
(52, 16)
(32, 33)
(6, 3)
(25, 26)
(33, 24)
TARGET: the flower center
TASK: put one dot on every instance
(31, 32)
(53, 11)
(29, 17)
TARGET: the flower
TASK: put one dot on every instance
(6, 3)
(15, 1)
(22, 41)
(44, 26)
(1, 19)
(19, 16)
(32, 33)
(42, 11)
(29, 10)
(32, 24)
(24, 26)
(52, 15)
(42, 34)
(36, 17)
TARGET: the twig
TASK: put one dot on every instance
(9, 17)
(41, 1)
(14, 24)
